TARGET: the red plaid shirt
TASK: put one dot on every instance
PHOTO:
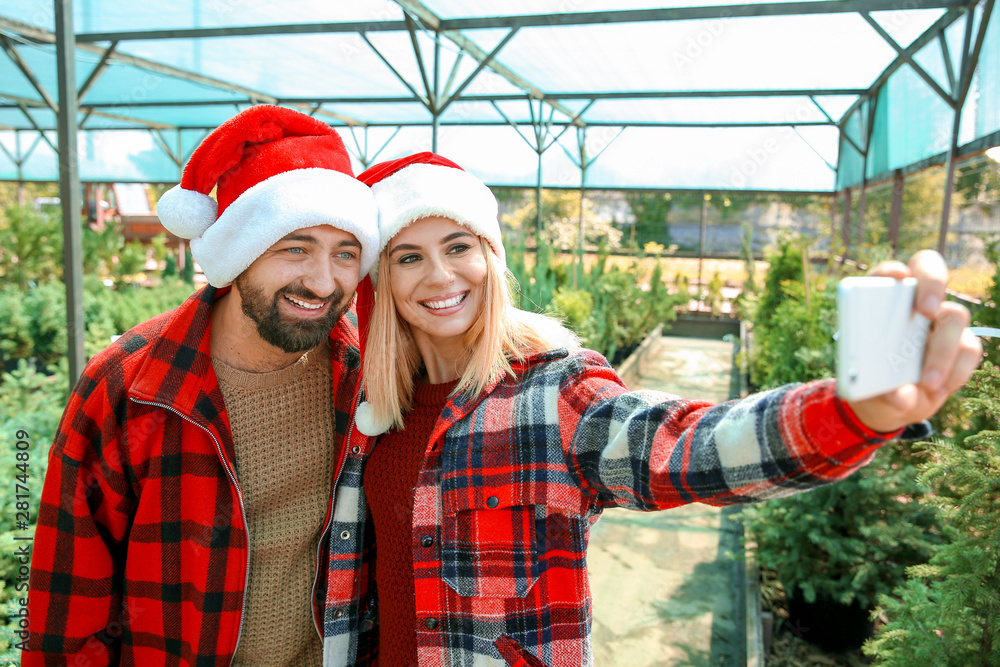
(140, 555)
(513, 480)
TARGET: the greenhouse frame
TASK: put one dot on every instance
(824, 96)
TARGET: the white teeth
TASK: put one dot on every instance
(303, 304)
(447, 303)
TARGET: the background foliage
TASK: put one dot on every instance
(118, 294)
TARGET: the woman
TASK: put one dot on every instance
(497, 447)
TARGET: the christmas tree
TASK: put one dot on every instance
(948, 611)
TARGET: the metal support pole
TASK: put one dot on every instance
(949, 184)
(861, 208)
(435, 106)
(69, 187)
(833, 219)
(869, 130)
(895, 210)
(845, 229)
(701, 245)
(581, 141)
(21, 195)
(538, 202)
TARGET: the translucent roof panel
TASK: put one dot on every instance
(451, 9)
(987, 98)
(103, 156)
(14, 119)
(189, 116)
(398, 112)
(708, 110)
(743, 158)
(128, 85)
(613, 72)
(777, 53)
(115, 15)
(905, 25)
(338, 65)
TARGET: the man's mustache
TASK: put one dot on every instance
(303, 293)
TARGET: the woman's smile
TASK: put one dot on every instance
(445, 305)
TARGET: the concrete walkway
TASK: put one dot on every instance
(665, 583)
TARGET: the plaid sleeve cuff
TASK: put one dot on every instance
(833, 428)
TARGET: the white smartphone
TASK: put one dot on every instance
(881, 342)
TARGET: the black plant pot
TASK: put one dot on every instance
(832, 626)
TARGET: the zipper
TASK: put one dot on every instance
(329, 522)
(239, 496)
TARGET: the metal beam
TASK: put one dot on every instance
(895, 211)
(26, 71)
(931, 33)
(435, 110)
(148, 124)
(743, 10)
(818, 154)
(973, 61)
(13, 159)
(914, 65)
(966, 72)
(515, 126)
(453, 73)
(69, 188)
(165, 147)
(479, 68)
(246, 31)
(97, 72)
(253, 96)
(411, 27)
(38, 129)
(433, 22)
(509, 97)
(527, 21)
(417, 97)
(948, 67)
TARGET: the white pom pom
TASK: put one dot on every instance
(365, 420)
(186, 213)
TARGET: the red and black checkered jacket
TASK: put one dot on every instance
(140, 555)
(513, 480)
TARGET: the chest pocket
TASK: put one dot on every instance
(489, 546)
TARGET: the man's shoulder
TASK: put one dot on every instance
(126, 354)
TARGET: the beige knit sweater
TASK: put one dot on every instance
(282, 424)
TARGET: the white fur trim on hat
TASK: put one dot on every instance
(279, 205)
(423, 190)
(186, 213)
(364, 419)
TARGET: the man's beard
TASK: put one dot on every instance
(291, 336)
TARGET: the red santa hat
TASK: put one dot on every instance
(428, 185)
(274, 170)
(408, 189)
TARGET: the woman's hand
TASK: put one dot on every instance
(951, 354)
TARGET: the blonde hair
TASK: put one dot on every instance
(500, 335)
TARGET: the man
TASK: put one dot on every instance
(188, 489)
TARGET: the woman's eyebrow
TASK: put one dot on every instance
(455, 235)
(404, 246)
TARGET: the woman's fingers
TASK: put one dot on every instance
(943, 346)
(931, 272)
(970, 354)
(891, 269)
